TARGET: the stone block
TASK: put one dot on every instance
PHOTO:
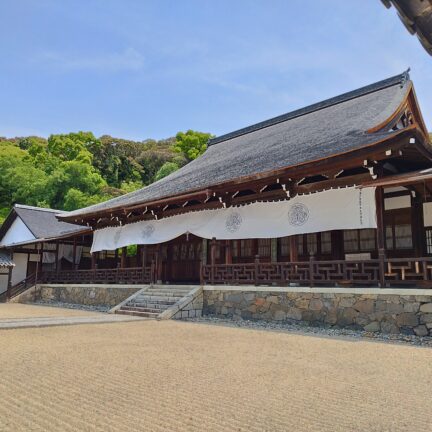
(426, 308)
(260, 301)
(279, 315)
(407, 319)
(331, 316)
(294, 314)
(372, 327)
(273, 299)
(315, 304)
(390, 308)
(249, 297)
(411, 307)
(364, 306)
(362, 320)
(389, 327)
(423, 298)
(426, 318)
(347, 302)
(302, 303)
(421, 330)
(347, 316)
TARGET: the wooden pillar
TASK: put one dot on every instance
(274, 250)
(57, 257)
(293, 248)
(41, 252)
(143, 255)
(158, 263)
(417, 227)
(123, 257)
(213, 258)
(228, 252)
(379, 202)
(74, 254)
(9, 284)
(38, 247)
(93, 260)
(116, 258)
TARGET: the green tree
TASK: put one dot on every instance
(191, 143)
(166, 169)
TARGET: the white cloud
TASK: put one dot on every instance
(129, 59)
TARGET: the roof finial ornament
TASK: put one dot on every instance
(405, 77)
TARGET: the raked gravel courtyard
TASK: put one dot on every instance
(180, 376)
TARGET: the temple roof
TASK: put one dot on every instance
(417, 18)
(322, 130)
(42, 223)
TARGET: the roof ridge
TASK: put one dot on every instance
(27, 207)
(344, 97)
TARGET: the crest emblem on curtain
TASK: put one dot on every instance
(117, 235)
(233, 222)
(147, 231)
(298, 214)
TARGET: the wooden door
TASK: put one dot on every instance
(183, 260)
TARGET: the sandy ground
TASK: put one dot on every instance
(17, 310)
(176, 376)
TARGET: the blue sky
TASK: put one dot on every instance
(146, 69)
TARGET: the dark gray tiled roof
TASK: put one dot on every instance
(321, 130)
(43, 222)
(5, 260)
(417, 18)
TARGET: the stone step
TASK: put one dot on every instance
(168, 290)
(140, 309)
(164, 293)
(139, 314)
(160, 306)
(158, 299)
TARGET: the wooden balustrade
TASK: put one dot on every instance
(413, 272)
(407, 272)
(132, 275)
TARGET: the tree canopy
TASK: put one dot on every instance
(75, 170)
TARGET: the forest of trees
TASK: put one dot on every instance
(74, 170)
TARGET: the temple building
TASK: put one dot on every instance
(336, 193)
(33, 240)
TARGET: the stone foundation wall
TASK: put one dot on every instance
(92, 295)
(375, 310)
(191, 310)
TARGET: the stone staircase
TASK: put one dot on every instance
(154, 300)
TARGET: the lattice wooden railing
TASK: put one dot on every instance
(407, 272)
(132, 275)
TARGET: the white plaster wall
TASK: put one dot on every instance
(397, 202)
(17, 233)
(3, 279)
(19, 272)
(427, 213)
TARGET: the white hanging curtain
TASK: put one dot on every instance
(65, 251)
(348, 208)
